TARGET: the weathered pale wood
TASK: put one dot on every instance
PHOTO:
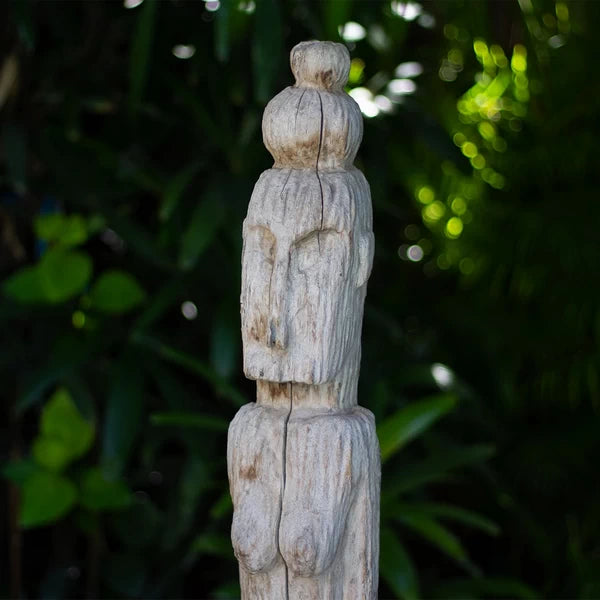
(303, 461)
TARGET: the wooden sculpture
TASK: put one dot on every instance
(303, 461)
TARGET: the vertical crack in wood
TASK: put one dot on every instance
(317, 169)
(283, 471)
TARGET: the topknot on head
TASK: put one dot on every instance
(321, 65)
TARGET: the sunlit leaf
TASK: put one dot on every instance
(64, 273)
(116, 292)
(396, 566)
(100, 493)
(46, 497)
(69, 230)
(25, 286)
(64, 434)
(409, 422)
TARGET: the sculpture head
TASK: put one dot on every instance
(308, 242)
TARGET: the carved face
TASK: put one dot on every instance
(305, 264)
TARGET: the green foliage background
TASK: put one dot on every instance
(125, 176)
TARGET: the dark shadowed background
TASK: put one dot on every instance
(130, 142)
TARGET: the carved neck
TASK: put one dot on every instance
(339, 394)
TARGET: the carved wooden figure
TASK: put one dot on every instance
(303, 461)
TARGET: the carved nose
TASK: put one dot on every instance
(277, 326)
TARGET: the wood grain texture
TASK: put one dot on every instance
(303, 461)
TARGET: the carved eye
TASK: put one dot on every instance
(315, 248)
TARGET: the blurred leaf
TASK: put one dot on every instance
(412, 420)
(64, 434)
(22, 12)
(222, 30)
(64, 273)
(203, 226)
(484, 587)
(125, 573)
(435, 468)
(116, 292)
(224, 342)
(213, 544)
(139, 525)
(193, 482)
(46, 498)
(160, 302)
(267, 48)
(25, 286)
(68, 230)
(440, 537)
(396, 566)
(191, 363)
(141, 48)
(68, 354)
(176, 187)
(19, 470)
(446, 511)
(195, 420)
(227, 591)
(222, 507)
(60, 275)
(99, 493)
(15, 154)
(124, 414)
(335, 14)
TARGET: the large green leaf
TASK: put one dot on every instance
(46, 497)
(64, 273)
(64, 434)
(409, 422)
(396, 566)
(116, 292)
